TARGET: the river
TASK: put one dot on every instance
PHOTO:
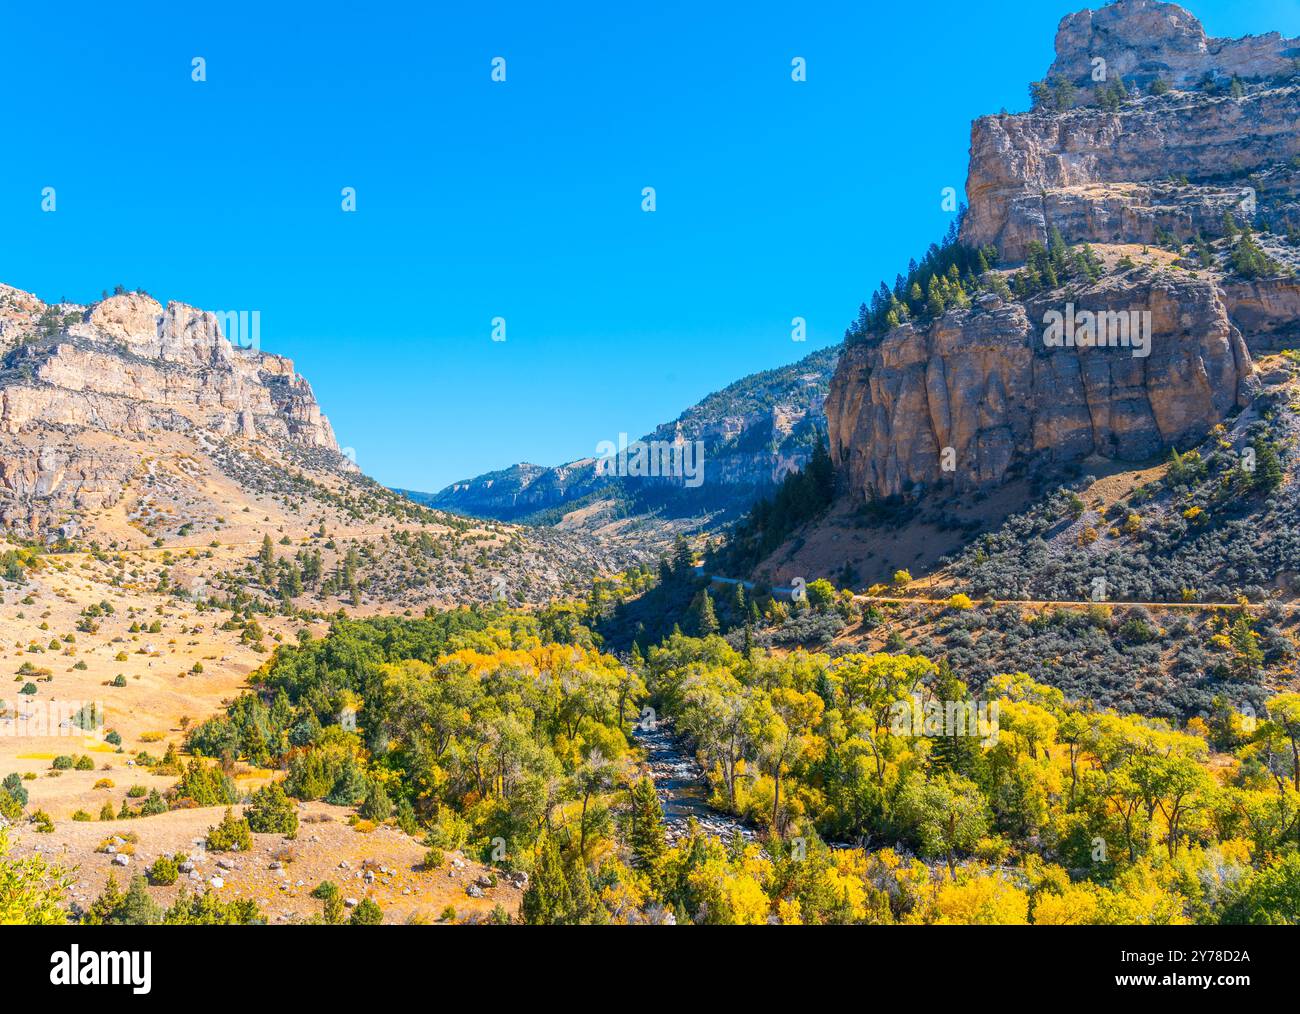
(680, 784)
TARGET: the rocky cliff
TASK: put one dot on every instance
(1146, 40)
(982, 383)
(86, 390)
(1154, 196)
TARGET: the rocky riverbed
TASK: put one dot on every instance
(680, 783)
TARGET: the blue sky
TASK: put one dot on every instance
(519, 200)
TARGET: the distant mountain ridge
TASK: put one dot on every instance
(753, 432)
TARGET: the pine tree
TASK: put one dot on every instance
(137, 908)
(703, 618)
(267, 559)
(548, 899)
(102, 908)
(271, 812)
(1268, 469)
(1249, 658)
(350, 788)
(377, 806)
(13, 785)
(646, 825)
(683, 559)
(954, 750)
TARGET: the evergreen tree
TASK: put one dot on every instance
(13, 784)
(377, 806)
(137, 908)
(683, 559)
(645, 825)
(102, 908)
(703, 618)
(271, 812)
(1268, 469)
(1249, 657)
(266, 557)
(350, 787)
(548, 899)
(954, 749)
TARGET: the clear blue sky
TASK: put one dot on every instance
(520, 200)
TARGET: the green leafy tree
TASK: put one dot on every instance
(31, 890)
(948, 814)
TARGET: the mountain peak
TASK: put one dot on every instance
(81, 386)
(1142, 40)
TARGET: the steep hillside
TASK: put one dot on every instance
(1128, 251)
(129, 427)
(753, 432)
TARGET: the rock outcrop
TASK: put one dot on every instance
(1177, 161)
(78, 385)
(1097, 175)
(982, 381)
(1143, 40)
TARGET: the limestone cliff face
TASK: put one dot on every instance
(1105, 176)
(982, 381)
(78, 385)
(1096, 175)
(1268, 309)
(1145, 39)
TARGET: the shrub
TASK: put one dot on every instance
(271, 812)
(163, 872)
(329, 893)
(366, 914)
(377, 807)
(13, 785)
(153, 805)
(231, 835)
